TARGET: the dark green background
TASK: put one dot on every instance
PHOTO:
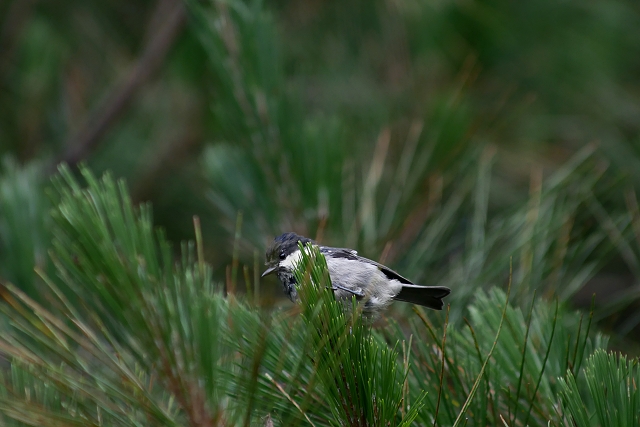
(444, 137)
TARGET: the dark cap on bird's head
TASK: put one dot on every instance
(281, 247)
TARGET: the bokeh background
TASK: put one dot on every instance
(449, 139)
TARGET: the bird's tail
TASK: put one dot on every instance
(427, 296)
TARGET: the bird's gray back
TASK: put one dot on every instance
(364, 278)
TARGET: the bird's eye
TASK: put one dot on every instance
(282, 255)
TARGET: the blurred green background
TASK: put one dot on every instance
(445, 138)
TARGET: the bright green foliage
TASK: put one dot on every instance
(132, 338)
(612, 395)
(520, 380)
(122, 334)
(359, 373)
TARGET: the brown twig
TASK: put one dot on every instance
(285, 394)
(105, 114)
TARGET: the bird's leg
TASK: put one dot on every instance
(357, 293)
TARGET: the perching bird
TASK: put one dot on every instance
(373, 284)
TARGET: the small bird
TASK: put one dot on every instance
(373, 284)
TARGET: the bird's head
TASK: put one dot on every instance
(279, 253)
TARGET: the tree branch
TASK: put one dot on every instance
(107, 113)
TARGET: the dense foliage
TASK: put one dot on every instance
(488, 146)
(125, 335)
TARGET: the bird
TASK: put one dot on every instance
(374, 285)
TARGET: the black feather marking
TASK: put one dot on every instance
(392, 275)
(341, 253)
(283, 246)
(428, 296)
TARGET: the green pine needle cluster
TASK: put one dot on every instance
(359, 374)
(612, 395)
(124, 333)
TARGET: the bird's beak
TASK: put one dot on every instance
(269, 271)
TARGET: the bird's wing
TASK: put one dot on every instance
(353, 255)
(341, 253)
